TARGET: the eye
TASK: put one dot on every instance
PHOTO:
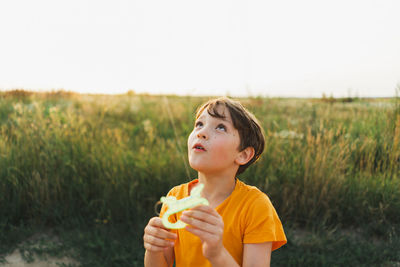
(198, 124)
(221, 126)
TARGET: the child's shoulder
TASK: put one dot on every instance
(252, 195)
(250, 189)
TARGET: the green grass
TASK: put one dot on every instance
(92, 168)
(337, 248)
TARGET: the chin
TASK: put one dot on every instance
(203, 169)
(195, 166)
(198, 167)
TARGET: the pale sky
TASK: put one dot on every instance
(270, 48)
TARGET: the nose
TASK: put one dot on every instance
(202, 134)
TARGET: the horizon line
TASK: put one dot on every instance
(133, 93)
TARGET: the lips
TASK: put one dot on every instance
(199, 146)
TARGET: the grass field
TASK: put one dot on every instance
(90, 169)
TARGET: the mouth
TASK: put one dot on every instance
(198, 147)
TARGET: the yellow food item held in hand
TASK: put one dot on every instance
(175, 206)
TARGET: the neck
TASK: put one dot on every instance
(217, 187)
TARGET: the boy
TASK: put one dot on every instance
(240, 226)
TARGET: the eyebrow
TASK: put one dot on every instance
(223, 119)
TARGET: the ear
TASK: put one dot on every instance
(245, 155)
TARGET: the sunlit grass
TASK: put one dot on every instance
(76, 159)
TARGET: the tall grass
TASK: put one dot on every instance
(66, 158)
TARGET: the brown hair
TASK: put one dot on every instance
(250, 132)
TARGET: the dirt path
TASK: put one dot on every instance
(42, 243)
(15, 260)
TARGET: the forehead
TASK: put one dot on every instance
(217, 112)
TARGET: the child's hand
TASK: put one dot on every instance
(155, 235)
(207, 224)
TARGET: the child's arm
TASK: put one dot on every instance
(159, 251)
(207, 224)
(257, 255)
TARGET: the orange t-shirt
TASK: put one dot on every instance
(248, 216)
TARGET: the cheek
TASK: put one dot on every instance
(190, 138)
(223, 147)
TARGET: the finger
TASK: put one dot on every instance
(153, 248)
(156, 227)
(206, 209)
(202, 234)
(155, 241)
(157, 221)
(204, 221)
(203, 216)
(159, 232)
(202, 225)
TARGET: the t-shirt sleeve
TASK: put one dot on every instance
(262, 223)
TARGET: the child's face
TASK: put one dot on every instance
(218, 142)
